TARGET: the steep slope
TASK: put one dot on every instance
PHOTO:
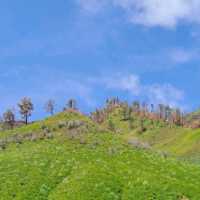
(82, 161)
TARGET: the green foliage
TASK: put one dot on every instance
(95, 165)
(58, 170)
(111, 125)
(131, 123)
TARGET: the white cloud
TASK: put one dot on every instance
(183, 56)
(165, 94)
(92, 6)
(155, 93)
(164, 13)
(129, 83)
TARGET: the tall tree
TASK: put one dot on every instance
(161, 111)
(144, 108)
(9, 118)
(178, 114)
(26, 107)
(71, 104)
(152, 108)
(50, 106)
(167, 113)
(112, 103)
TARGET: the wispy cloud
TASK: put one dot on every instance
(89, 91)
(179, 55)
(155, 93)
(166, 94)
(92, 6)
(129, 83)
(152, 12)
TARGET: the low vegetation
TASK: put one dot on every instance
(120, 152)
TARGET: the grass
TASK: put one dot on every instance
(177, 141)
(95, 164)
(61, 169)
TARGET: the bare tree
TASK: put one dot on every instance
(178, 114)
(72, 104)
(9, 118)
(26, 107)
(112, 103)
(50, 106)
(161, 111)
(98, 116)
(152, 108)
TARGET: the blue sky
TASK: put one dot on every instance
(91, 49)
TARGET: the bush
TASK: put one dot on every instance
(141, 130)
(43, 127)
(111, 125)
(61, 124)
(47, 130)
(74, 124)
(54, 129)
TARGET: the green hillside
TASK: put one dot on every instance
(68, 156)
(174, 140)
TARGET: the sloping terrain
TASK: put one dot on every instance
(193, 119)
(70, 157)
(178, 141)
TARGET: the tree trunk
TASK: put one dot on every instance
(26, 119)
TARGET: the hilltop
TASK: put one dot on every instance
(69, 156)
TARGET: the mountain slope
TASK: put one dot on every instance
(82, 161)
(178, 141)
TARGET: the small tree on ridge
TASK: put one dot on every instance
(25, 108)
(50, 106)
(9, 118)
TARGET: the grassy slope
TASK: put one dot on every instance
(51, 122)
(101, 168)
(183, 142)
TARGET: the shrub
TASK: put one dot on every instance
(49, 136)
(111, 125)
(141, 130)
(47, 130)
(61, 124)
(2, 144)
(74, 124)
(54, 129)
(43, 127)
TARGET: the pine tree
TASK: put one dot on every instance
(26, 107)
